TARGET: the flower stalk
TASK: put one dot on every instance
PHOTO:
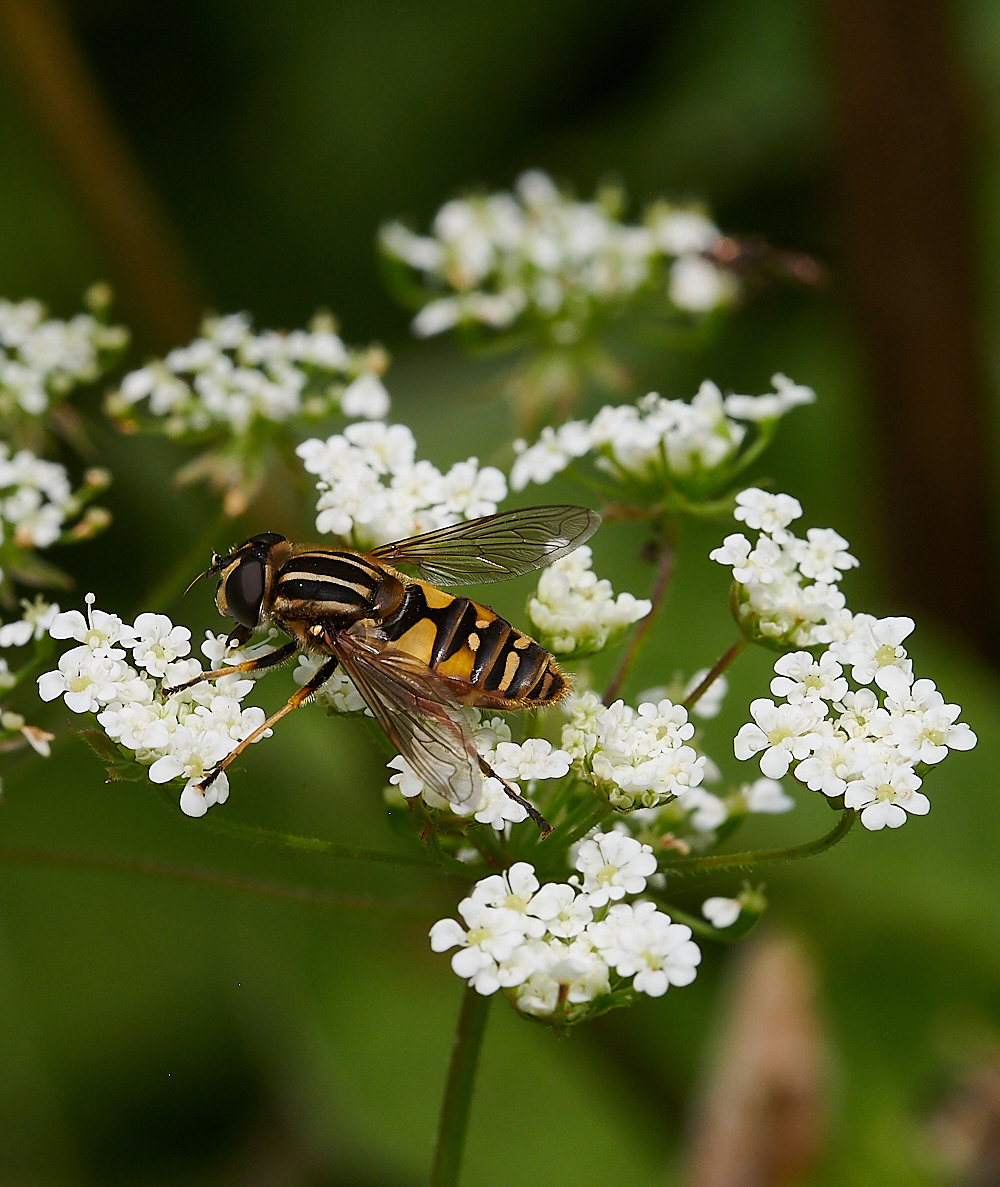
(715, 672)
(664, 569)
(766, 857)
(457, 1102)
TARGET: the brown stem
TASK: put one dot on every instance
(720, 666)
(162, 869)
(139, 246)
(664, 568)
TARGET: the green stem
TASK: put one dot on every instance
(720, 666)
(252, 832)
(665, 556)
(267, 836)
(767, 857)
(162, 869)
(454, 1120)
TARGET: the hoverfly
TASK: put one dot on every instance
(415, 653)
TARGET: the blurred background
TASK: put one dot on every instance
(241, 156)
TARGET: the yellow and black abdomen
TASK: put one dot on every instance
(485, 661)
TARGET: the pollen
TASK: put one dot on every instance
(473, 642)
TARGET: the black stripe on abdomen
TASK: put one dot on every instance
(338, 567)
(305, 590)
(454, 625)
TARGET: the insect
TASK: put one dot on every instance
(415, 653)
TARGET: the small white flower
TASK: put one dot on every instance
(823, 556)
(564, 912)
(35, 624)
(765, 512)
(768, 796)
(836, 760)
(877, 655)
(641, 942)
(886, 793)
(782, 732)
(158, 643)
(87, 682)
(497, 808)
(514, 890)
(613, 865)
(193, 754)
(801, 678)
(533, 759)
(721, 912)
(196, 801)
(99, 632)
(365, 397)
(491, 937)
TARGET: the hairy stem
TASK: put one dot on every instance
(767, 857)
(455, 1107)
(162, 869)
(251, 832)
(720, 666)
(664, 566)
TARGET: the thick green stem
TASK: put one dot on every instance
(455, 1107)
(664, 566)
(766, 857)
(720, 666)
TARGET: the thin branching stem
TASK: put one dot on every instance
(266, 836)
(152, 867)
(664, 567)
(457, 1102)
(716, 671)
(766, 857)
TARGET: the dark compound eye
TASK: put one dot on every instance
(245, 592)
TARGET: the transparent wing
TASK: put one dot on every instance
(418, 714)
(495, 548)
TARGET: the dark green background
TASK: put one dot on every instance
(155, 1033)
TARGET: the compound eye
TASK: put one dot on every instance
(245, 592)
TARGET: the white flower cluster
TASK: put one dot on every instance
(36, 499)
(555, 948)
(42, 358)
(636, 757)
(182, 736)
(33, 624)
(657, 439)
(539, 254)
(851, 743)
(787, 587)
(527, 762)
(577, 613)
(373, 490)
(233, 377)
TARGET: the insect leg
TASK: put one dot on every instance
(532, 811)
(278, 656)
(294, 701)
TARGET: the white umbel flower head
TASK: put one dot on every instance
(575, 612)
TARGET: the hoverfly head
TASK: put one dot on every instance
(241, 588)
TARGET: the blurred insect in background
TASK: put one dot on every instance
(415, 653)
